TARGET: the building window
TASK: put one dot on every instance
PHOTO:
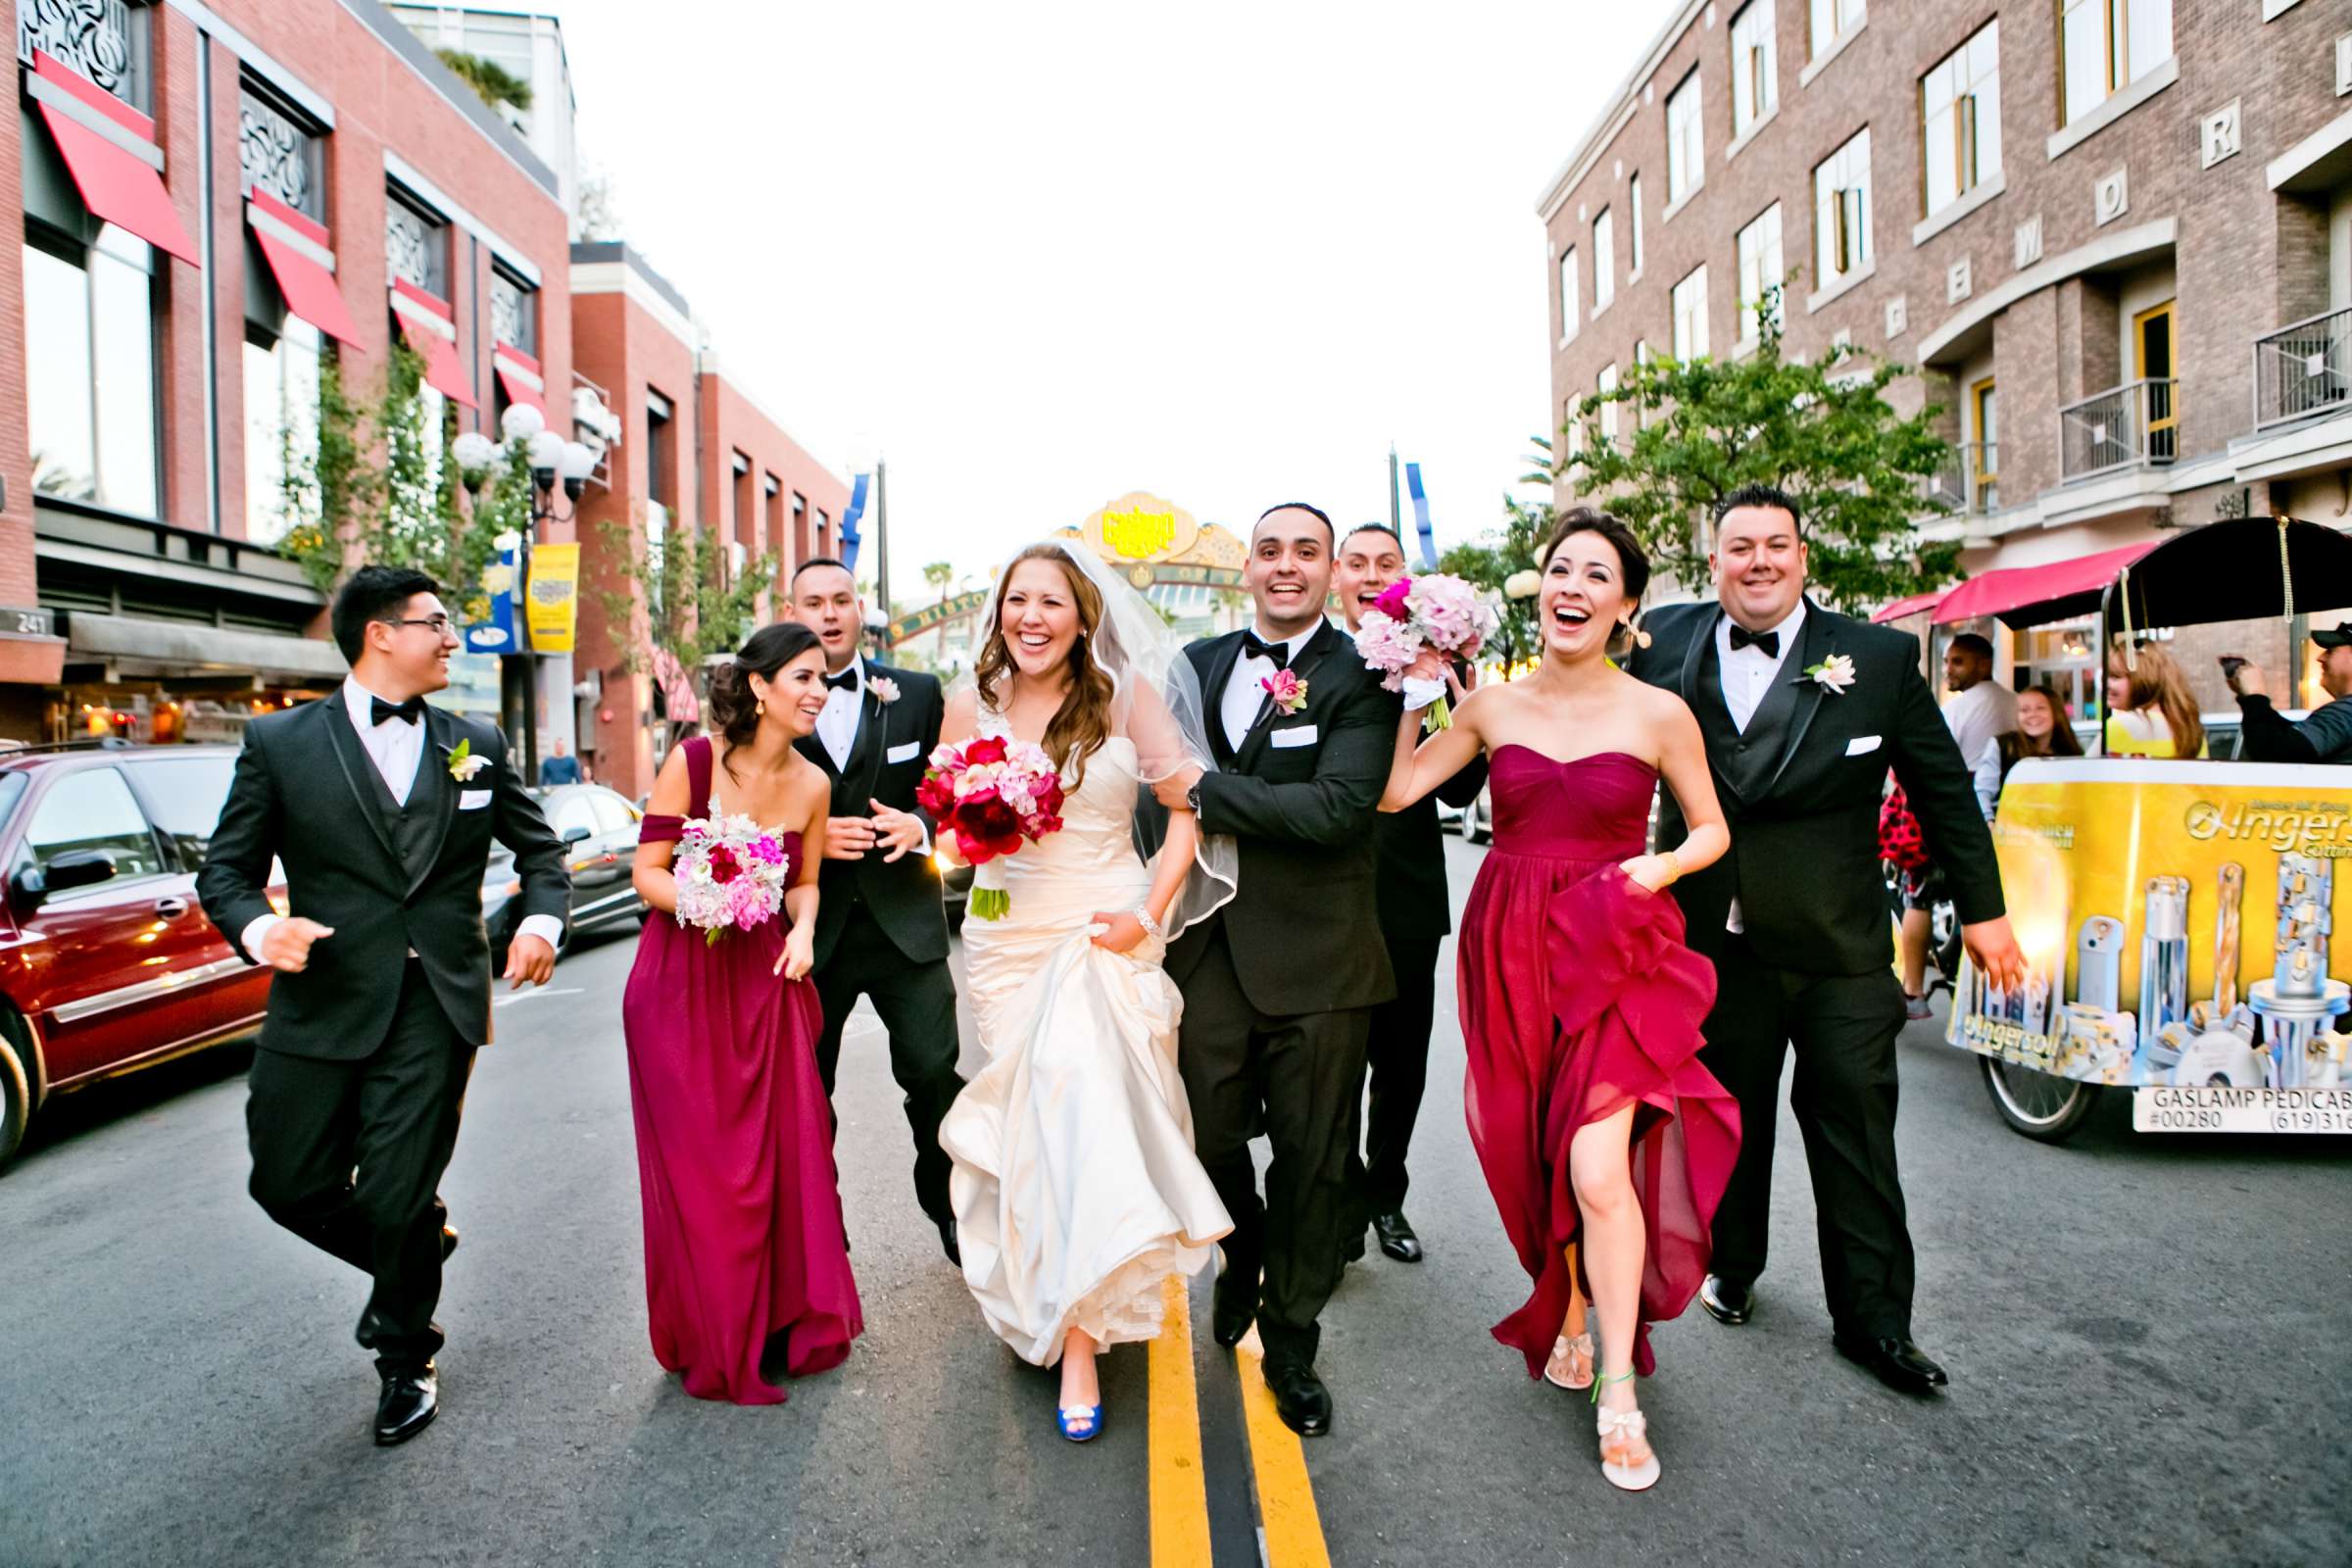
(514, 312)
(803, 546)
(278, 154)
(1633, 201)
(1833, 19)
(1984, 455)
(1760, 269)
(1605, 259)
(105, 40)
(1754, 92)
(1841, 213)
(2106, 45)
(824, 533)
(282, 428)
(1568, 298)
(1691, 315)
(1608, 409)
(1572, 429)
(416, 247)
(1685, 149)
(1960, 118)
(89, 363)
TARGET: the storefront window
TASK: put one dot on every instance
(2064, 656)
(89, 359)
(282, 429)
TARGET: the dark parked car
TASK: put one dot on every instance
(107, 963)
(599, 830)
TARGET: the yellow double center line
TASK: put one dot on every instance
(1289, 1527)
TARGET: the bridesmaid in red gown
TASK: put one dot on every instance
(743, 1226)
(1604, 1140)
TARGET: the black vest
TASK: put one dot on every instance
(411, 826)
(1747, 760)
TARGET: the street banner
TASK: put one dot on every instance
(493, 633)
(851, 539)
(1429, 536)
(552, 611)
(2176, 920)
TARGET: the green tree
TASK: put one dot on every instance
(491, 81)
(1822, 431)
(1493, 560)
(674, 593)
(937, 577)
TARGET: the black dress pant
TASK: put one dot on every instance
(917, 1005)
(392, 1116)
(1843, 1029)
(1397, 1060)
(1301, 1080)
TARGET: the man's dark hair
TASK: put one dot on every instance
(1978, 645)
(1378, 528)
(1761, 495)
(374, 593)
(1299, 506)
(814, 561)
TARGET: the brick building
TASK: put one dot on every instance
(2116, 234)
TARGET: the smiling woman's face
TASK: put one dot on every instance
(1583, 599)
(1039, 617)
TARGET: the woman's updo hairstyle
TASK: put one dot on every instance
(734, 709)
(1633, 566)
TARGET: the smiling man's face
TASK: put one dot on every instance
(1289, 573)
(1370, 559)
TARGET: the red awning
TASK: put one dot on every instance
(305, 280)
(1908, 606)
(521, 375)
(114, 184)
(424, 322)
(1998, 593)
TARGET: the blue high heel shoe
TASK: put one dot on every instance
(1080, 1423)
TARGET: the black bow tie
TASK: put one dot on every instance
(1255, 646)
(411, 711)
(1767, 642)
(846, 681)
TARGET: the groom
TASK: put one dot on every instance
(1279, 986)
(881, 927)
(1803, 710)
(382, 810)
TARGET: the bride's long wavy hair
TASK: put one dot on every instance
(1083, 722)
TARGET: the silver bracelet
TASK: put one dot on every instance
(1143, 917)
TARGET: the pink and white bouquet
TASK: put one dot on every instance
(731, 876)
(1434, 611)
(991, 793)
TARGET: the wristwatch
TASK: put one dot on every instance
(1192, 796)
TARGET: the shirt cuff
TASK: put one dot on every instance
(546, 927)
(255, 930)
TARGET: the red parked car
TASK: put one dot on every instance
(107, 963)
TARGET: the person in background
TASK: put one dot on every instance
(1979, 709)
(560, 766)
(2270, 736)
(2150, 711)
(2042, 731)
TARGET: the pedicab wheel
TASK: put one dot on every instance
(2037, 1105)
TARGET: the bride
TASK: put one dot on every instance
(1075, 1184)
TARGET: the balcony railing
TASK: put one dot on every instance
(2124, 427)
(1969, 482)
(2303, 370)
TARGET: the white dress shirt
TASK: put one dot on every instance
(1748, 673)
(396, 749)
(1243, 696)
(1978, 714)
(837, 726)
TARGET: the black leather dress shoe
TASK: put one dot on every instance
(1235, 1308)
(1300, 1397)
(1397, 1238)
(948, 1242)
(1728, 1301)
(408, 1405)
(449, 1242)
(1894, 1361)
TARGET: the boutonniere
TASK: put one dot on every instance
(464, 764)
(885, 689)
(1835, 673)
(1285, 689)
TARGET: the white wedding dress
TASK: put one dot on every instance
(1075, 1184)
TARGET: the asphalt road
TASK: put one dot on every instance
(2150, 1343)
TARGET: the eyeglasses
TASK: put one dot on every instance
(438, 623)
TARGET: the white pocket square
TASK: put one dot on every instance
(1862, 744)
(903, 754)
(1304, 735)
(473, 799)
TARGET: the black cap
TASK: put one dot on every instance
(2339, 637)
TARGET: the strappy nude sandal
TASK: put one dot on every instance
(1624, 1434)
(1571, 1363)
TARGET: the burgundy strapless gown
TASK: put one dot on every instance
(743, 1225)
(1577, 995)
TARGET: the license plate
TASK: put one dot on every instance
(2160, 1108)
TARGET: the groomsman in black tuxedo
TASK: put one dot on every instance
(382, 810)
(881, 927)
(1803, 710)
(1279, 986)
(1415, 917)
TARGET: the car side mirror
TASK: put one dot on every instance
(75, 868)
(576, 834)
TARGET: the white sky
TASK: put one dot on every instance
(1040, 255)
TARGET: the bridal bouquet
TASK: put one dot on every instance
(991, 794)
(1431, 610)
(731, 876)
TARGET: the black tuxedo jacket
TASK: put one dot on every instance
(305, 793)
(1302, 927)
(887, 759)
(1804, 822)
(1414, 902)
